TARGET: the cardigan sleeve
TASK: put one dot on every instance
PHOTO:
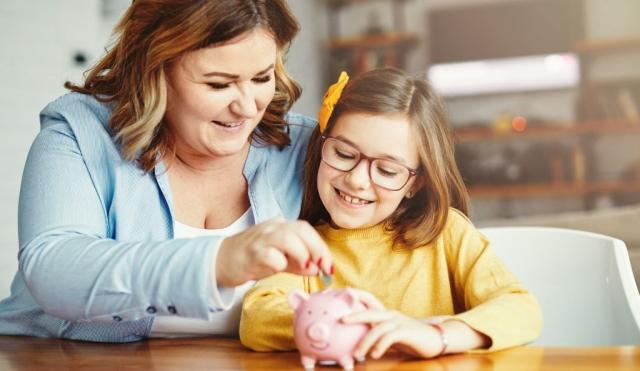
(73, 263)
(495, 302)
(266, 323)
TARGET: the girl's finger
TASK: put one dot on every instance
(385, 341)
(370, 300)
(372, 316)
(372, 337)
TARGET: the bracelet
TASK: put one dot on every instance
(443, 338)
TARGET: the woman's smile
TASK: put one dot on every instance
(230, 126)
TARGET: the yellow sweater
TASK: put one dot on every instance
(458, 274)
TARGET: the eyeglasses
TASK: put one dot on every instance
(384, 173)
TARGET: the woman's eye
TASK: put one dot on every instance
(262, 80)
(217, 86)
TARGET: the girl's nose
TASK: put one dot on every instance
(358, 177)
(245, 104)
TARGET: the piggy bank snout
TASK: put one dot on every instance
(318, 331)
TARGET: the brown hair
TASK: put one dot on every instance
(419, 220)
(152, 34)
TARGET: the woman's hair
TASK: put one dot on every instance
(154, 33)
(418, 220)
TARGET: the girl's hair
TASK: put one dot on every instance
(419, 220)
(154, 33)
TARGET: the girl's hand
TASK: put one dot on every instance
(391, 328)
(276, 245)
(368, 299)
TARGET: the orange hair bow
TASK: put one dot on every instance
(330, 100)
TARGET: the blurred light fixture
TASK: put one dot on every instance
(519, 124)
(554, 71)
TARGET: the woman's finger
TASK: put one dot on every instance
(288, 241)
(273, 260)
(315, 244)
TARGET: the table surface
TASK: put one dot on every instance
(27, 353)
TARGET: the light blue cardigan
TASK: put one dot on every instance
(97, 260)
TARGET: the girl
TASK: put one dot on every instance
(383, 189)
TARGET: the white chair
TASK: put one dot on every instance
(582, 280)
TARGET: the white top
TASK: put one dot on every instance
(219, 323)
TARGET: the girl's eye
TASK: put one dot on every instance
(262, 80)
(344, 155)
(217, 86)
(386, 172)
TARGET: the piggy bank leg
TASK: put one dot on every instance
(309, 363)
(346, 362)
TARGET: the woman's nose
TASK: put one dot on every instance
(358, 177)
(245, 103)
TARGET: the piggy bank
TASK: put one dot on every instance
(317, 330)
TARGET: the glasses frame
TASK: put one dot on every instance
(370, 160)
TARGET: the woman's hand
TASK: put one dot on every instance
(392, 328)
(276, 245)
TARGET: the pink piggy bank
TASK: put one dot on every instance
(317, 330)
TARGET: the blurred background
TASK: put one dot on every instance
(543, 95)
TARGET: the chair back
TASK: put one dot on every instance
(583, 282)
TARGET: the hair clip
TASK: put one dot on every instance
(330, 100)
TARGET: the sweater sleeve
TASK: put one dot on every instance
(266, 323)
(496, 303)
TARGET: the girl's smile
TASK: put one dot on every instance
(352, 201)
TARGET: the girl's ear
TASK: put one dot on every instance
(415, 187)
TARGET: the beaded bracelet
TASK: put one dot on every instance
(443, 338)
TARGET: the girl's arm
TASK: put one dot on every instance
(266, 323)
(417, 337)
(500, 312)
(497, 304)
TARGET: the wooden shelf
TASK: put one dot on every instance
(345, 2)
(382, 40)
(607, 45)
(558, 189)
(547, 130)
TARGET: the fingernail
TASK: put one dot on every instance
(319, 262)
(332, 269)
(306, 266)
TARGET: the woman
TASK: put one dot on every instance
(158, 190)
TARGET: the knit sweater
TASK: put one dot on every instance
(456, 275)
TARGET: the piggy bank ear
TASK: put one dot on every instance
(296, 298)
(349, 296)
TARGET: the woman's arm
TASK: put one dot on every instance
(71, 266)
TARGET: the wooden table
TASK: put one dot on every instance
(25, 353)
